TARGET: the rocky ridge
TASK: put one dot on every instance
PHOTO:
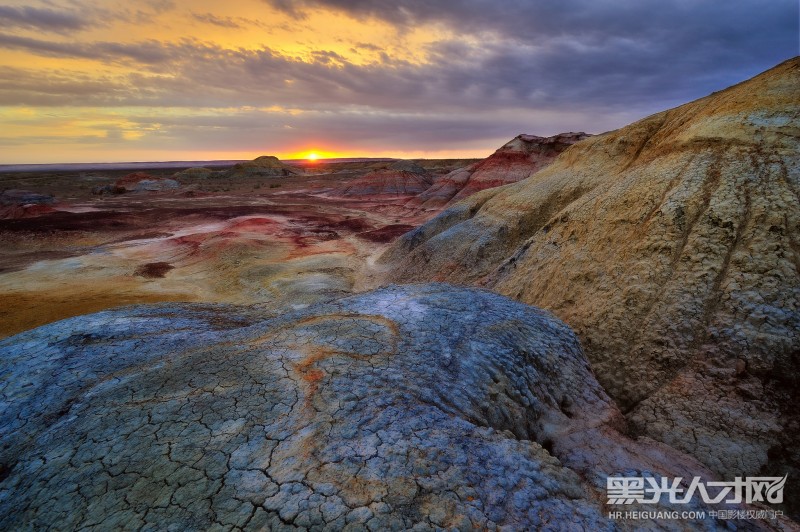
(514, 161)
(139, 182)
(672, 247)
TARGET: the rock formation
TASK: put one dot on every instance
(401, 178)
(264, 166)
(198, 172)
(672, 247)
(102, 190)
(514, 161)
(24, 197)
(427, 406)
(143, 182)
(16, 204)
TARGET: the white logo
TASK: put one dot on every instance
(648, 490)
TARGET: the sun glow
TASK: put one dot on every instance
(312, 155)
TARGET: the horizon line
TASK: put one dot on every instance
(122, 165)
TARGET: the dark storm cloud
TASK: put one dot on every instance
(58, 21)
(541, 20)
(649, 49)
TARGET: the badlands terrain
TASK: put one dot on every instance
(259, 232)
(388, 345)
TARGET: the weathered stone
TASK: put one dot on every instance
(420, 406)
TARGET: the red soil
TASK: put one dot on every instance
(153, 270)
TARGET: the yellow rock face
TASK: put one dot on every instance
(672, 246)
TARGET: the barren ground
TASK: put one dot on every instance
(230, 240)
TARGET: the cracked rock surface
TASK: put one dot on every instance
(420, 406)
(672, 248)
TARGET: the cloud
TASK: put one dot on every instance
(602, 55)
(66, 17)
(611, 77)
(295, 9)
(541, 20)
(271, 131)
(34, 18)
(61, 88)
(261, 131)
(496, 69)
(161, 6)
(226, 21)
(582, 41)
(143, 53)
(210, 18)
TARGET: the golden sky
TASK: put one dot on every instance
(104, 80)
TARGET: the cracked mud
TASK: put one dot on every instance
(427, 406)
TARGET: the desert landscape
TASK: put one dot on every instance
(289, 376)
(249, 235)
(323, 265)
(258, 231)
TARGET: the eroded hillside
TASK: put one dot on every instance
(672, 247)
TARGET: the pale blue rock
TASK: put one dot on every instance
(418, 407)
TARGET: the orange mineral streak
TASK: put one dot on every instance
(306, 368)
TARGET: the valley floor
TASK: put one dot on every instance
(249, 240)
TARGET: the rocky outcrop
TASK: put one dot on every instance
(427, 406)
(672, 247)
(15, 204)
(142, 182)
(514, 161)
(264, 166)
(102, 190)
(401, 178)
(197, 172)
(24, 197)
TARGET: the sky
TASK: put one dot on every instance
(159, 80)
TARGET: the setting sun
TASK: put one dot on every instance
(312, 157)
